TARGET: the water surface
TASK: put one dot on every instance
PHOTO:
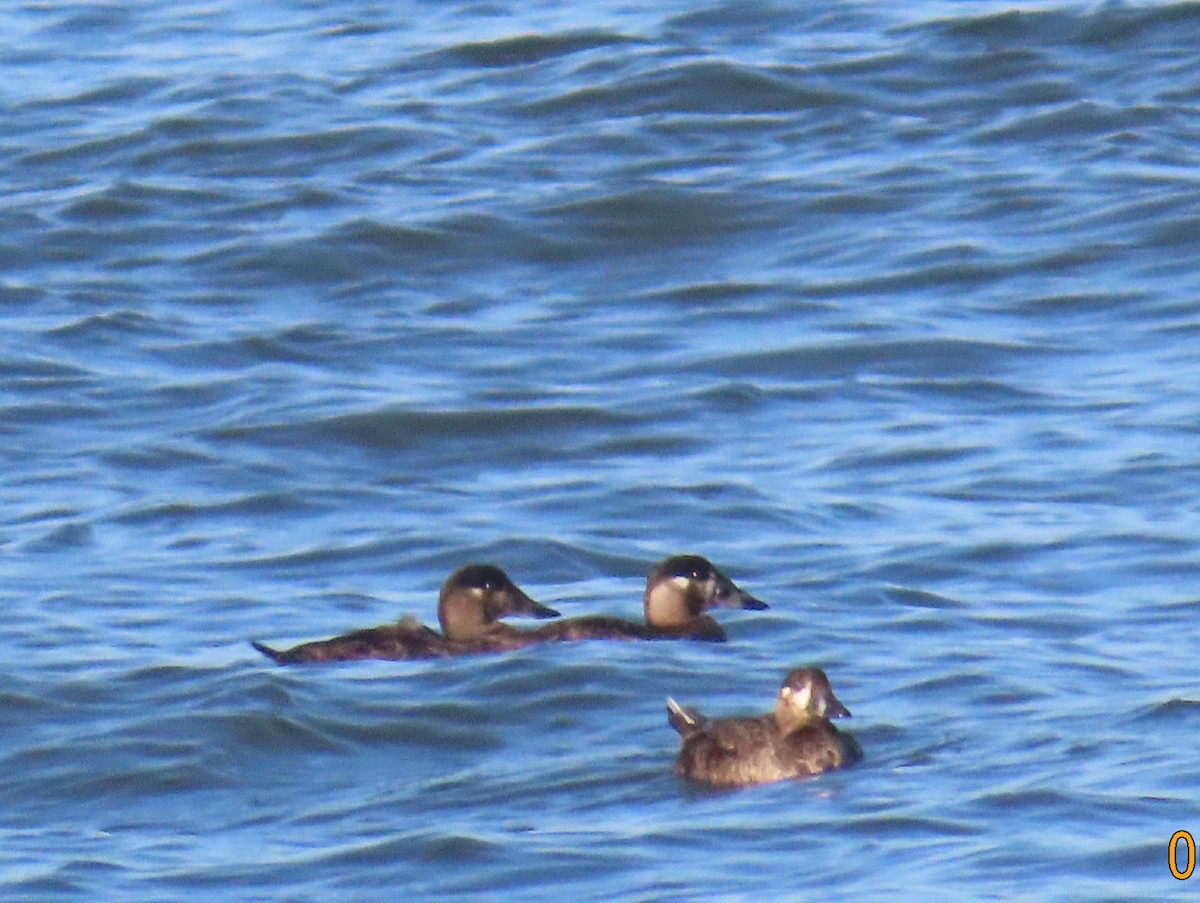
(891, 313)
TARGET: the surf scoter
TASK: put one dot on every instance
(678, 592)
(471, 602)
(794, 741)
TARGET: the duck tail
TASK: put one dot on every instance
(273, 654)
(685, 721)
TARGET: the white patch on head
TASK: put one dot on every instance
(681, 581)
(803, 698)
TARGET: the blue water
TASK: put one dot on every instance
(889, 310)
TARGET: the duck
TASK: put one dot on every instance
(470, 604)
(796, 740)
(679, 590)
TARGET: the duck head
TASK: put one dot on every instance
(682, 587)
(806, 695)
(473, 598)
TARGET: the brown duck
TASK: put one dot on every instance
(471, 602)
(679, 590)
(794, 741)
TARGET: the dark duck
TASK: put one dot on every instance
(678, 592)
(471, 602)
(796, 740)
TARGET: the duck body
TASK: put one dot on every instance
(797, 740)
(406, 639)
(470, 604)
(601, 627)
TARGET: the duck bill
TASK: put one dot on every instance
(730, 595)
(523, 605)
(835, 709)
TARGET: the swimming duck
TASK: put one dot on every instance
(471, 602)
(794, 741)
(678, 592)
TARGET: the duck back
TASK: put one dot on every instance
(404, 640)
(600, 627)
(745, 751)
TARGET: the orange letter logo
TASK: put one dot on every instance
(1184, 873)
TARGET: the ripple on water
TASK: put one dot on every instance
(525, 50)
